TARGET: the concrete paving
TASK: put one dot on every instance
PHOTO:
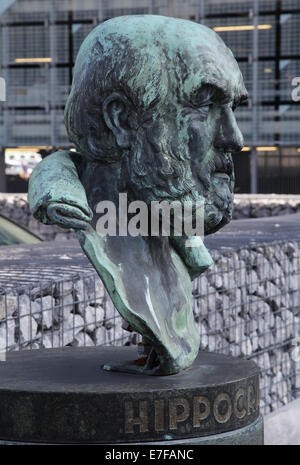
(239, 233)
(283, 426)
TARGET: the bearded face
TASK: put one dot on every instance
(191, 165)
(185, 154)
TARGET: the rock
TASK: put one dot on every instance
(65, 305)
(110, 312)
(256, 307)
(215, 321)
(222, 264)
(276, 382)
(63, 288)
(263, 361)
(246, 347)
(215, 280)
(93, 317)
(290, 248)
(269, 320)
(205, 304)
(275, 361)
(235, 350)
(117, 335)
(244, 255)
(266, 340)
(229, 280)
(286, 364)
(31, 346)
(293, 282)
(94, 288)
(234, 304)
(235, 332)
(71, 326)
(297, 326)
(80, 296)
(44, 289)
(44, 311)
(269, 253)
(8, 305)
(252, 281)
(262, 267)
(203, 335)
(216, 343)
(26, 324)
(284, 325)
(51, 340)
(275, 271)
(7, 334)
(251, 326)
(222, 303)
(273, 295)
(254, 341)
(100, 336)
(82, 340)
(200, 286)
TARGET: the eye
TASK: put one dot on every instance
(206, 105)
(235, 104)
(205, 108)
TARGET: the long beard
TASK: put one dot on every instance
(156, 171)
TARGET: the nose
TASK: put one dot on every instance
(228, 135)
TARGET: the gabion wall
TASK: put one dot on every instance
(247, 304)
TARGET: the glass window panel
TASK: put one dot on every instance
(28, 42)
(28, 86)
(227, 6)
(290, 34)
(239, 41)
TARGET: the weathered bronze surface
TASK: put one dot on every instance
(151, 115)
(62, 395)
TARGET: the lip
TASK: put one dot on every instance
(222, 175)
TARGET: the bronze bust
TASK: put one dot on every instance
(151, 114)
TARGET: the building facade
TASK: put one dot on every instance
(39, 40)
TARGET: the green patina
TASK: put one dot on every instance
(150, 114)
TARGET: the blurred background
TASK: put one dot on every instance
(39, 40)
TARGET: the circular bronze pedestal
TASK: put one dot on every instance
(64, 396)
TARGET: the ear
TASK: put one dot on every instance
(115, 111)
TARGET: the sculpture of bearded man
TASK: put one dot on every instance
(151, 114)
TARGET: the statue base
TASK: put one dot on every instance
(64, 396)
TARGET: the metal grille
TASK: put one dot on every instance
(54, 30)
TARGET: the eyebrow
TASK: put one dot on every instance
(243, 97)
(215, 89)
(218, 91)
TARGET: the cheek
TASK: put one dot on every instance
(200, 137)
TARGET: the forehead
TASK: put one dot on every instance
(204, 59)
